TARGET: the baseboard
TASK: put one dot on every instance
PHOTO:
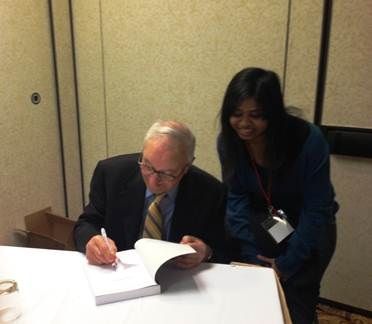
(347, 308)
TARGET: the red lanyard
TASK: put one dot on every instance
(267, 195)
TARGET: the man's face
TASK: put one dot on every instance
(162, 165)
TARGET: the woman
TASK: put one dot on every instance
(281, 207)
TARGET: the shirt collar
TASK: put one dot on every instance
(171, 194)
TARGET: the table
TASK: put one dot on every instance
(53, 289)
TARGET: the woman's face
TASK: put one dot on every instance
(248, 122)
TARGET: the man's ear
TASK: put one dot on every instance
(188, 166)
(186, 169)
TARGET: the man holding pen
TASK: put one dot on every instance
(191, 204)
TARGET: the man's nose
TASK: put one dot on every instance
(155, 177)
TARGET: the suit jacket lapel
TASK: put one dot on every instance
(180, 219)
(130, 208)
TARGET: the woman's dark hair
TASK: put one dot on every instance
(264, 87)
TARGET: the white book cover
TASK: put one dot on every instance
(135, 274)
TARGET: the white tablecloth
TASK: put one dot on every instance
(53, 289)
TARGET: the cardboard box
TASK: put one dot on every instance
(43, 229)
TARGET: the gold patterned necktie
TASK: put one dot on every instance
(154, 220)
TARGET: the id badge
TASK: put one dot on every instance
(278, 227)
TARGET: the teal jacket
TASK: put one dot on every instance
(303, 191)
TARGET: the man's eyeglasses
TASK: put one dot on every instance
(148, 169)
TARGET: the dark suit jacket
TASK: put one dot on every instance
(117, 196)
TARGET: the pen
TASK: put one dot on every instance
(103, 233)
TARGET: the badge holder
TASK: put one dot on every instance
(277, 225)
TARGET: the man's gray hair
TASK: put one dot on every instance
(176, 131)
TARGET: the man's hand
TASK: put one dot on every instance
(98, 252)
(270, 262)
(203, 251)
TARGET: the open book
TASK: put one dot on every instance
(135, 274)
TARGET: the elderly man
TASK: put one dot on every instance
(191, 202)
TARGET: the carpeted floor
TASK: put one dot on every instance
(330, 315)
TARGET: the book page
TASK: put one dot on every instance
(130, 274)
(155, 253)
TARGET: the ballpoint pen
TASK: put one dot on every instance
(103, 233)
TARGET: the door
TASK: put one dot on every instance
(30, 162)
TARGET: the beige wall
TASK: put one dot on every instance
(347, 102)
(91, 84)
(348, 95)
(60, 14)
(138, 61)
(30, 162)
(303, 55)
(171, 60)
(348, 278)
